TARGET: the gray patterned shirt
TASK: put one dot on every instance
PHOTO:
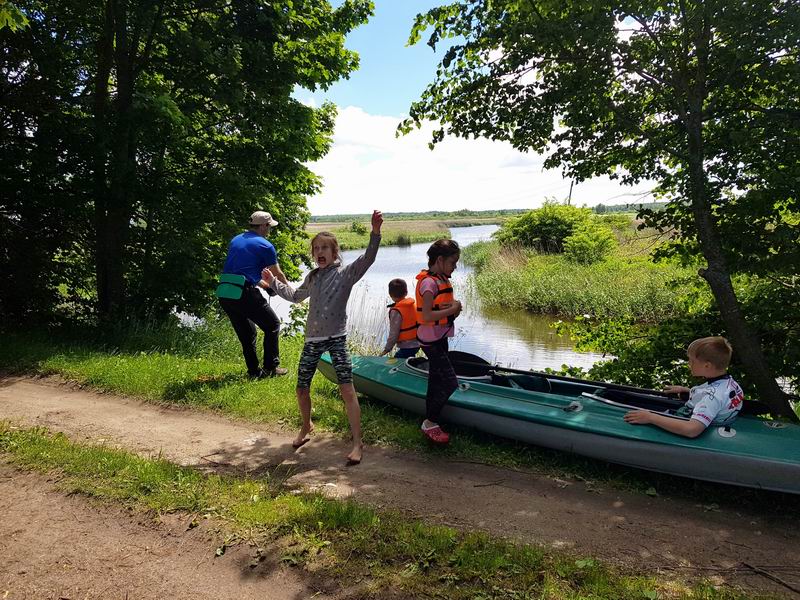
(328, 290)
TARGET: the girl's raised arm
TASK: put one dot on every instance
(356, 269)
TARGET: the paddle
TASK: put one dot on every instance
(472, 360)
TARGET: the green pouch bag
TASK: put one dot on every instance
(230, 286)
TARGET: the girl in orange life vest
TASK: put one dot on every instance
(436, 311)
(402, 321)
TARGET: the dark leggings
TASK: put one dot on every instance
(442, 380)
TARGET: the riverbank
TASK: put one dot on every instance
(395, 232)
(246, 483)
(627, 285)
(202, 368)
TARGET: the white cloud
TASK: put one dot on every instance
(369, 168)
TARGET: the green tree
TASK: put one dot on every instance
(545, 228)
(11, 16)
(699, 95)
(140, 134)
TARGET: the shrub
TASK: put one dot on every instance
(358, 228)
(589, 244)
(545, 228)
(617, 221)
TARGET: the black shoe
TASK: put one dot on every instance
(260, 374)
(276, 372)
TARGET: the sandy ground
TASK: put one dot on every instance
(637, 532)
(54, 546)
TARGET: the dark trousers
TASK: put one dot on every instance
(442, 381)
(245, 313)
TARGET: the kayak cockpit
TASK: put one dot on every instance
(473, 368)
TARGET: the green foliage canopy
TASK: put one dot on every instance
(545, 228)
(698, 95)
(11, 16)
(138, 136)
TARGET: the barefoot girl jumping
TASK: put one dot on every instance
(328, 288)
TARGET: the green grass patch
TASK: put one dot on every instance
(350, 541)
(203, 368)
(627, 285)
(393, 233)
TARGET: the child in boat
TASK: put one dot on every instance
(402, 321)
(717, 401)
(436, 312)
(328, 288)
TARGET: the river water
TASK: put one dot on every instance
(510, 338)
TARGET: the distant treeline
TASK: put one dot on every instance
(632, 207)
(413, 216)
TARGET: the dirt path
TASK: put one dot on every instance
(637, 532)
(62, 547)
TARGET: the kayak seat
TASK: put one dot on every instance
(531, 383)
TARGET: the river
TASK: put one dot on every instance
(513, 339)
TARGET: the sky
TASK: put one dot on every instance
(369, 168)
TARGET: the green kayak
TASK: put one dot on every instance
(585, 417)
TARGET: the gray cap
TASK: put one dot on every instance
(261, 217)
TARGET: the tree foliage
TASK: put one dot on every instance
(138, 135)
(11, 16)
(545, 228)
(698, 95)
(589, 244)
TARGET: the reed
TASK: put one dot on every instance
(628, 285)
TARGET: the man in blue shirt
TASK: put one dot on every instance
(248, 254)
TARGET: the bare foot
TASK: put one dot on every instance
(302, 437)
(355, 455)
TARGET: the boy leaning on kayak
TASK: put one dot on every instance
(717, 401)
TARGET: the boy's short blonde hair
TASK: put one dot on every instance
(716, 350)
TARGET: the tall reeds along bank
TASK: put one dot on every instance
(622, 286)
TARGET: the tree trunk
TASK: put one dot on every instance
(122, 170)
(717, 274)
(105, 60)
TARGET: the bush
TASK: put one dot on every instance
(589, 244)
(358, 228)
(545, 228)
(617, 221)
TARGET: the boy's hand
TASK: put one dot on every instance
(638, 417)
(676, 389)
(267, 276)
(377, 221)
(457, 305)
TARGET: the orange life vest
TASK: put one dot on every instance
(444, 295)
(408, 310)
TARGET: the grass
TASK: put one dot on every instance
(203, 368)
(628, 285)
(350, 542)
(394, 233)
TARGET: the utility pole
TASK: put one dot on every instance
(569, 198)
